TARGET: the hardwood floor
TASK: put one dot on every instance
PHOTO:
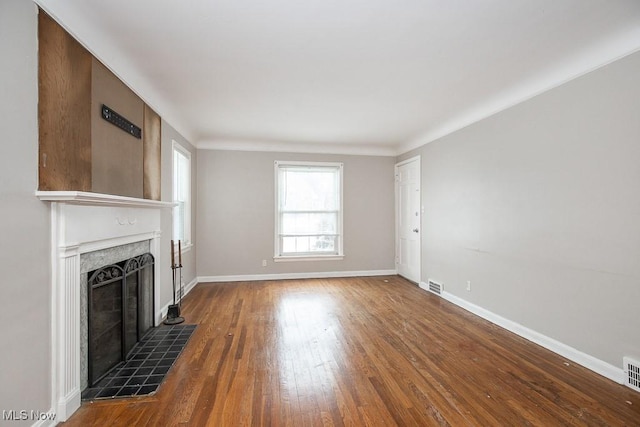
(359, 351)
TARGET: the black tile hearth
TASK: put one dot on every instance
(147, 366)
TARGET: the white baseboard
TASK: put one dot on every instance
(596, 365)
(65, 406)
(286, 276)
(424, 286)
(189, 286)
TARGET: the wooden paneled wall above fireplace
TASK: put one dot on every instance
(78, 149)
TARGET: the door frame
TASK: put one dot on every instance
(397, 213)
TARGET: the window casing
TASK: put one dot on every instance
(181, 194)
(308, 211)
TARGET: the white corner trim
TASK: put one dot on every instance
(287, 276)
(409, 160)
(424, 286)
(608, 51)
(295, 147)
(596, 365)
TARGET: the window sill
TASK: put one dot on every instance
(308, 258)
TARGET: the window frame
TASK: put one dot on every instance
(278, 256)
(177, 148)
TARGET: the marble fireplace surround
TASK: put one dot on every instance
(93, 261)
(81, 223)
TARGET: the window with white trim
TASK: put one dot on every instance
(308, 210)
(181, 194)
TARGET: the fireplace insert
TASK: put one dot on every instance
(120, 312)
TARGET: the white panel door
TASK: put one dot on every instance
(408, 219)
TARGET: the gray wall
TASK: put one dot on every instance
(236, 214)
(25, 369)
(539, 207)
(169, 134)
(25, 360)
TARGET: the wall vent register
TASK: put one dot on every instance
(632, 373)
(435, 287)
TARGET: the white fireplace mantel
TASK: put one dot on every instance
(98, 199)
(83, 222)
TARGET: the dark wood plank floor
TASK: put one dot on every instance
(360, 351)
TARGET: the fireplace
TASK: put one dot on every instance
(81, 225)
(120, 312)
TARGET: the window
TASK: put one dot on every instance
(308, 211)
(181, 194)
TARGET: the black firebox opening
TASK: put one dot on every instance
(120, 311)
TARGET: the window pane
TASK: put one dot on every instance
(183, 172)
(289, 245)
(305, 190)
(323, 243)
(181, 194)
(309, 244)
(309, 223)
(309, 209)
(178, 221)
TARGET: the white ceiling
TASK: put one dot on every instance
(353, 76)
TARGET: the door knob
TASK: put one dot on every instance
(415, 230)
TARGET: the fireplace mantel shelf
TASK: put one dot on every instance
(98, 199)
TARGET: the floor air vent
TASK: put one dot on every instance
(435, 287)
(632, 373)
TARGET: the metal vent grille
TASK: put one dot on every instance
(435, 287)
(632, 373)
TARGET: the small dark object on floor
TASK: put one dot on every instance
(173, 315)
(147, 366)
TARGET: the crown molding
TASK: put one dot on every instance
(609, 51)
(100, 45)
(294, 147)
